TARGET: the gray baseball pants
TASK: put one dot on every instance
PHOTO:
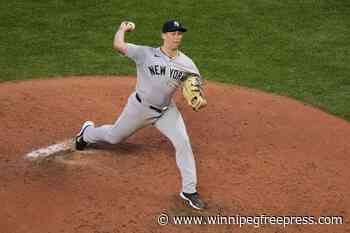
(136, 115)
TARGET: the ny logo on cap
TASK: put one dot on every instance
(176, 24)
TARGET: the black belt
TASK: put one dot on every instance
(150, 106)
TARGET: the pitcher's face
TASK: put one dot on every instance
(172, 40)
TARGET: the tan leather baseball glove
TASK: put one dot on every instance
(193, 93)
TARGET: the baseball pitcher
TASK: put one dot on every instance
(160, 71)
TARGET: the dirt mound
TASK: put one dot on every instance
(256, 154)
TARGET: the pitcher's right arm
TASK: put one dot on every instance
(119, 43)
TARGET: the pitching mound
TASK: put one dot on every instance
(256, 154)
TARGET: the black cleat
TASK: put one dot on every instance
(193, 200)
(79, 142)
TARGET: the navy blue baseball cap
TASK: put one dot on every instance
(173, 26)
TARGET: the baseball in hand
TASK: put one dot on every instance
(131, 26)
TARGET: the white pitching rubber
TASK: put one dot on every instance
(44, 152)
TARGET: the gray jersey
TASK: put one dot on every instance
(158, 76)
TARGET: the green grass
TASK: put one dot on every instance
(298, 48)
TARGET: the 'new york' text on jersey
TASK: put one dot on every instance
(158, 76)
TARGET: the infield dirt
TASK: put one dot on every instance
(256, 153)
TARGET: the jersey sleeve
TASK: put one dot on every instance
(189, 66)
(136, 52)
(195, 69)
